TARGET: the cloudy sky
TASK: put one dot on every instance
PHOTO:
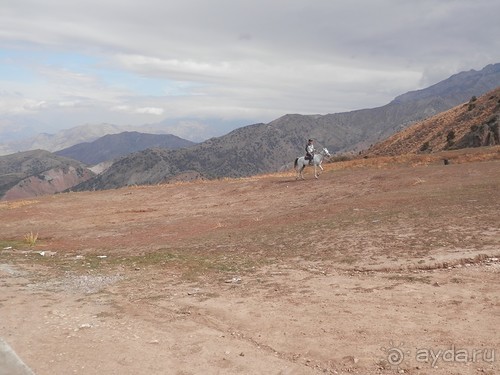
(64, 63)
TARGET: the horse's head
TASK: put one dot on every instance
(325, 152)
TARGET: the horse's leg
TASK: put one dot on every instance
(302, 170)
(315, 171)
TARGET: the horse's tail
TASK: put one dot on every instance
(296, 162)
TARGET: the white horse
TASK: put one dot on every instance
(301, 163)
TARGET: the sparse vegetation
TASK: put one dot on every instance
(456, 128)
(342, 157)
(425, 147)
(450, 138)
(31, 238)
(472, 103)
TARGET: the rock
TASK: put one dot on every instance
(234, 280)
(47, 253)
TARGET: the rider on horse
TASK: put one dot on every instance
(310, 151)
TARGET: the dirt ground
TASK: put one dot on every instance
(367, 270)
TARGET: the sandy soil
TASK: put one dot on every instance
(364, 271)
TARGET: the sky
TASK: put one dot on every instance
(65, 63)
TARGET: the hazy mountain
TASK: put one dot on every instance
(473, 124)
(62, 139)
(267, 147)
(15, 138)
(113, 146)
(32, 173)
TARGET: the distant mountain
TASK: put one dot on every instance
(113, 146)
(33, 173)
(14, 138)
(61, 140)
(473, 124)
(452, 89)
(262, 148)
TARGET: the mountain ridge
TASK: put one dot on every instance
(472, 124)
(112, 146)
(264, 148)
(38, 172)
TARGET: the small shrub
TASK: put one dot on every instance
(492, 120)
(425, 147)
(341, 157)
(30, 238)
(451, 136)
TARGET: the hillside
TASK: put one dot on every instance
(262, 275)
(113, 146)
(472, 124)
(263, 148)
(33, 173)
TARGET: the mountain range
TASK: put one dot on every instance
(258, 148)
(113, 146)
(263, 148)
(15, 138)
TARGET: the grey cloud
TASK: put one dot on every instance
(263, 57)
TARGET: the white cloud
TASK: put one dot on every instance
(150, 110)
(144, 110)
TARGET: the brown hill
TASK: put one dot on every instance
(472, 124)
(33, 173)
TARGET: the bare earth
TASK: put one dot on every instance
(368, 270)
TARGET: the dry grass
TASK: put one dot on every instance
(16, 204)
(30, 238)
(454, 157)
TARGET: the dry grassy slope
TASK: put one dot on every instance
(471, 124)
